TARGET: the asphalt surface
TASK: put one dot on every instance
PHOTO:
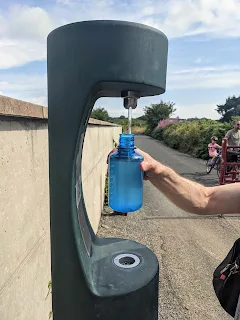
(188, 247)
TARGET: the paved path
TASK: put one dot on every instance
(188, 247)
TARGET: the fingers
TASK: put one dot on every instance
(144, 165)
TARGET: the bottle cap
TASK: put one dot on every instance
(126, 141)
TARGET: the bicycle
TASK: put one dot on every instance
(215, 165)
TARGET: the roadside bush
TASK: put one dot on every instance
(157, 133)
(191, 137)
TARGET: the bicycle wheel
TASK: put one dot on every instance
(208, 167)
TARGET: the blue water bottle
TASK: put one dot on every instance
(125, 178)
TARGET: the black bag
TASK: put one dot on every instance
(226, 280)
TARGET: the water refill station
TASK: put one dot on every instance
(96, 278)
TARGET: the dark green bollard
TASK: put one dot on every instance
(96, 278)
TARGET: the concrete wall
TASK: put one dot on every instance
(97, 144)
(24, 203)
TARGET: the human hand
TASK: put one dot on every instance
(149, 166)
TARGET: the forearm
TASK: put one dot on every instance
(186, 194)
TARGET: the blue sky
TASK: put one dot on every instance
(204, 45)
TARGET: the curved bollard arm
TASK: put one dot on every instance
(96, 278)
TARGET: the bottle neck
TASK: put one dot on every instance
(126, 144)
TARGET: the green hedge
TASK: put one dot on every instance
(191, 137)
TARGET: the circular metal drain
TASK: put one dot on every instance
(126, 260)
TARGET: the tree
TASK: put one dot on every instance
(230, 109)
(122, 117)
(156, 112)
(100, 114)
(142, 118)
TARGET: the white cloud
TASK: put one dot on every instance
(176, 18)
(25, 87)
(221, 68)
(23, 32)
(205, 77)
(197, 110)
(17, 52)
(192, 17)
(25, 22)
(23, 29)
(41, 100)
